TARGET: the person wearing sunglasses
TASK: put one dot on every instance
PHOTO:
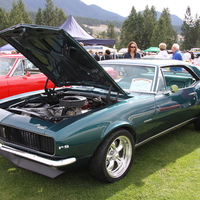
(132, 51)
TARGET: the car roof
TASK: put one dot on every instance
(12, 55)
(152, 62)
(145, 61)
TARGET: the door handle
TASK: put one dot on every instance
(192, 93)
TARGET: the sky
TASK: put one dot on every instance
(123, 7)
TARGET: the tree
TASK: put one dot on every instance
(3, 19)
(111, 33)
(150, 19)
(164, 31)
(3, 23)
(50, 16)
(39, 17)
(197, 32)
(170, 34)
(139, 33)
(138, 27)
(159, 33)
(190, 30)
(103, 35)
(49, 13)
(25, 15)
(128, 29)
(18, 14)
(60, 16)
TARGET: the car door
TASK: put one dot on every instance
(21, 80)
(175, 108)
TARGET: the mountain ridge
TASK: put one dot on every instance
(80, 9)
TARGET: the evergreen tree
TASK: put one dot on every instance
(25, 15)
(164, 31)
(138, 27)
(50, 16)
(111, 33)
(103, 35)
(128, 30)
(123, 36)
(15, 15)
(3, 23)
(60, 16)
(159, 33)
(170, 34)
(197, 32)
(150, 18)
(49, 13)
(3, 19)
(189, 30)
(139, 31)
(18, 14)
(39, 17)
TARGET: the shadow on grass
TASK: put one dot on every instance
(79, 184)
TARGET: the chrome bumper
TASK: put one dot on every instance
(51, 163)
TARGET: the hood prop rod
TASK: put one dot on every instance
(108, 99)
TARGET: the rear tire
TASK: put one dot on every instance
(197, 124)
(113, 158)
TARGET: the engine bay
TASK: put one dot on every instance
(58, 106)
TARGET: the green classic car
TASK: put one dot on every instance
(91, 118)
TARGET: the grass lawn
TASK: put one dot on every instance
(166, 168)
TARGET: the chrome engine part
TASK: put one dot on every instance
(62, 109)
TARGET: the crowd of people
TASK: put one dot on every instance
(106, 56)
(176, 53)
(132, 52)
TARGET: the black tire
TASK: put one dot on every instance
(197, 124)
(113, 158)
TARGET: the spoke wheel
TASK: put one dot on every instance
(114, 157)
(118, 156)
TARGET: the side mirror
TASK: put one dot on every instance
(28, 73)
(174, 88)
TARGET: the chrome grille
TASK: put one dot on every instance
(27, 139)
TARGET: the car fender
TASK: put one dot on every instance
(4, 88)
(117, 125)
(85, 140)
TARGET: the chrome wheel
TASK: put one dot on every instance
(114, 156)
(119, 156)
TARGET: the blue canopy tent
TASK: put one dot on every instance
(78, 33)
(7, 47)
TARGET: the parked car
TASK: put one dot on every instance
(19, 75)
(96, 121)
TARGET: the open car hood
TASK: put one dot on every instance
(59, 56)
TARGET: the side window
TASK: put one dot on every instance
(30, 67)
(182, 78)
(19, 70)
(161, 84)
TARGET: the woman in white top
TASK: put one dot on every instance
(163, 53)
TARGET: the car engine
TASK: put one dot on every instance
(56, 108)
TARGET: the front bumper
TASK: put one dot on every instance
(33, 162)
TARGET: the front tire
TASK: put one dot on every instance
(113, 158)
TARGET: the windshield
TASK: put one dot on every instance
(6, 65)
(132, 77)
